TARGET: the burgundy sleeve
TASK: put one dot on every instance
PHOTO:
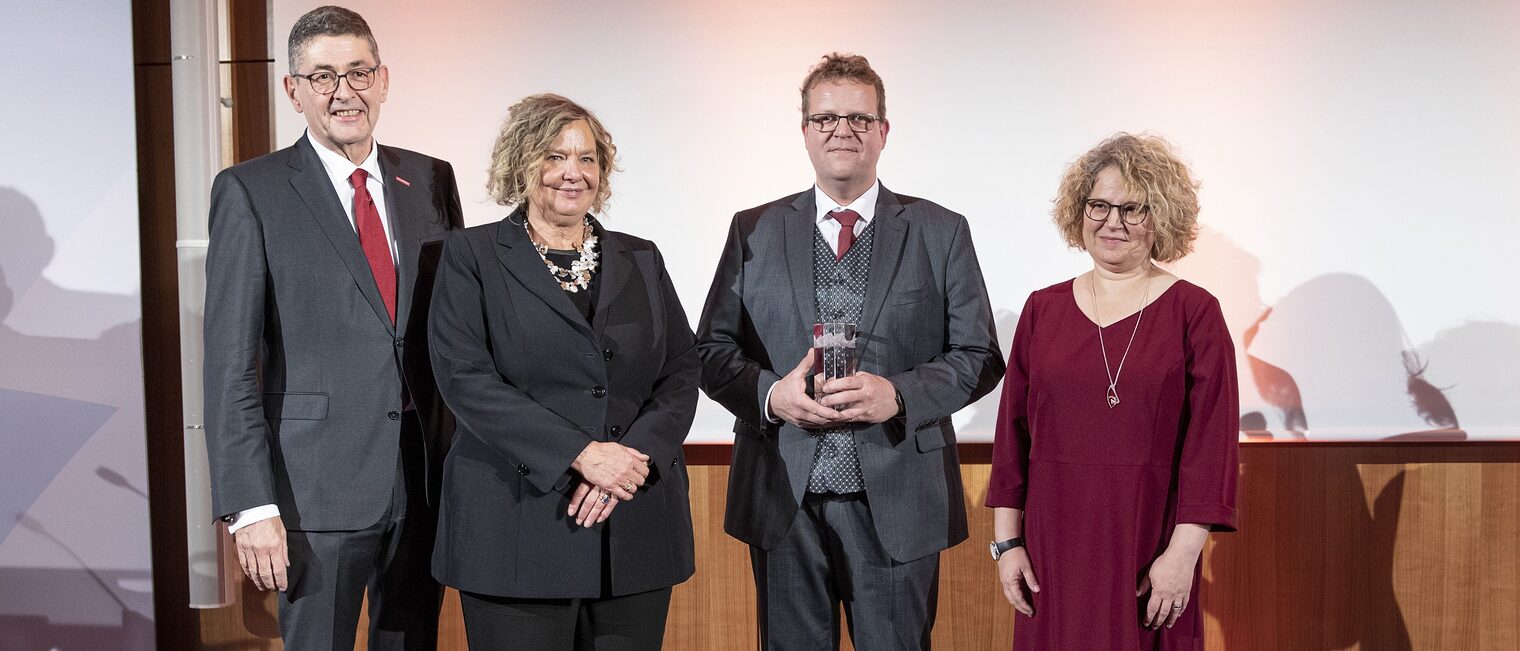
(1010, 447)
(1207, 468)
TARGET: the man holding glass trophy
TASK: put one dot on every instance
(844, 326)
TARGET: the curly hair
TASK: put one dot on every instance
(1151, 170)
(531, 126)
(844, 67)
(327, 21)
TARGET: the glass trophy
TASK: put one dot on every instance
(834, 349)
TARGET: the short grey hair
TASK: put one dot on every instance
(328, 21)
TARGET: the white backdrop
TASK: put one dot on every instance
(1358, 159)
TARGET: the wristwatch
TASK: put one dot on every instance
(1000, 548)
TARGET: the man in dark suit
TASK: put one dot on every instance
(847, 490)
(323, 423)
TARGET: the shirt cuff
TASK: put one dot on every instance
(250, 516)
(765, 407)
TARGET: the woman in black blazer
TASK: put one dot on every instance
(565, 355)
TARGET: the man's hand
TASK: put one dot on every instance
(862, 398)
(790, 401)
(262, 553)
(613, 468)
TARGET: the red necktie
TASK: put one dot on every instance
(377, 248)
(846, 219)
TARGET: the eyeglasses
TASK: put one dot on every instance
(1133, 214)
(325, 82)
(828, 122)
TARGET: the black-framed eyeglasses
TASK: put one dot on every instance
(1133, 214)
(828, 122)
(325, 82)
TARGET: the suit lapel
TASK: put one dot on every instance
(522, 261)
(886, 254)
(407, 208)
(312, 184)
(798, 231)
(616, 266)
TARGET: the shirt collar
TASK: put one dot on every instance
(339, 168)
(865, 204)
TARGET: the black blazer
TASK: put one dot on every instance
(305, 376)
(532, 384)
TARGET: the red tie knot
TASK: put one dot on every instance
(358, 178)
(846, 218)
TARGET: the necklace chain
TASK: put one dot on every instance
(1113, 376)
(578, 276)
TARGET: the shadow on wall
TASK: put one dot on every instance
(1333, 352)
(75, 564)
(1355, 367)
(1268, 590)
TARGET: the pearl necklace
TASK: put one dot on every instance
(578, 276)
(1113, 377)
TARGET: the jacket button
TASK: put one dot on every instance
(616, 431)
(393, 415)
(675, 462)
(607, 354)
(400, 341)
(522, 470)
(598, 391)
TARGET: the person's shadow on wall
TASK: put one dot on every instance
(74, 556)
(1316, 571)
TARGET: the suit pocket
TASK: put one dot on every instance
(908, 297)
(295, 406)
(930, 438)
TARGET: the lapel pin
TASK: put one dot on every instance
(404, 181)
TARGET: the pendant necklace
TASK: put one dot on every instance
(1113, 376)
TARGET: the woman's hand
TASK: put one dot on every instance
(1170, 577)
(589, 505)
(615, 469)
(1169, 580)
(1016, 572)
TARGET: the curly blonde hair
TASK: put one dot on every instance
(531, 126)
(1151, 170)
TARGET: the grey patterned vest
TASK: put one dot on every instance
(840, 295)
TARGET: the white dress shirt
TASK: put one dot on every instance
(865, 206)
(338, 168)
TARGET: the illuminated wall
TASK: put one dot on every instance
(74, 548)
(1357, 158)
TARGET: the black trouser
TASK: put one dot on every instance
(832, 555)
(633, 622)
(331, 570)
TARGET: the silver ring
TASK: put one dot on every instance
(605, 498)
(630, 487)
(1176, 606)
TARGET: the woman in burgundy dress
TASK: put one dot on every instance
(1116, 438)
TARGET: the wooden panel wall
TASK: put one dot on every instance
(1341, 547)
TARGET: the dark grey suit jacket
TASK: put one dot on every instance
(926, 326)
(533, 384)
(305, 376)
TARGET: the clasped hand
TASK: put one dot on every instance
(607, 469)
(859, 398)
